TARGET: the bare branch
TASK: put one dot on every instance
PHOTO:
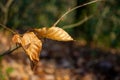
(78, 23)
(73, 10)
(9, 51)
(5, 27)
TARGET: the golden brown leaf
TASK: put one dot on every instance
(54, 33)
(16, 38)
(31, 44)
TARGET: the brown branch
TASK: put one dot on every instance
(5, 27)
(9, 51)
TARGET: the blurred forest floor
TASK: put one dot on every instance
(60, 61)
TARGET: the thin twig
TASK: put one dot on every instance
(78, 23)
(74, 9)
(8, 29)
(9, 51)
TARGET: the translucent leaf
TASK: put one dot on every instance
(54, 33)
(31, 44)
(16, 38)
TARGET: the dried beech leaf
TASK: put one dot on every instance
(31, 44)
(54, 33)
(16, 38)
